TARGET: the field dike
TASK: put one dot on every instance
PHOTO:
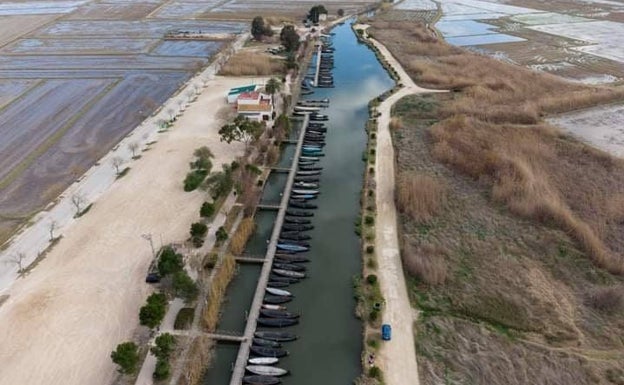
(508, 226)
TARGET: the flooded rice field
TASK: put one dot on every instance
(75, 78)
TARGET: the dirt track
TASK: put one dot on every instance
(398, 356)
(61, 323)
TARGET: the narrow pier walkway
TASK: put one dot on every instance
(254, 311)
(318, 65)
(268, 207)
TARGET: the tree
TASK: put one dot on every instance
(184, 287)
(198, 229)
(78, 200)
(207, 210)
(203, 155)
(220, 183)
(340, 12)
(162, 370)
(126, 356)
(18, 260)
(170, 111)
(153, 312)
(116, 162)
(315, 12)
(164, 346)
(289, 38)
(51, 227)
(241, 130)
(257, 27)
(133, 147)
(221, 234)
(169, 262)
(273, 86)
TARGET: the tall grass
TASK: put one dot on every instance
(199, 356)
(252, 64)
(218, 285)
(491, 130)
(420, 196)
(426, 263)
(241, 236)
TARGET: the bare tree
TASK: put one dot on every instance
(196, 87)
(133, 146)
(189, 94)
(51, 227)
(180, 103)
(205, 81)
(78, 200)
(18, 260)
(116, 162)
(170, 111)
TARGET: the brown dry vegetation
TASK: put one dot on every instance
(248, 63)
(241, 236)
(218, 285)
(420, 196)
(518, 277)
(199, 356)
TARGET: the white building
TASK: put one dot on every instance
(255, 106)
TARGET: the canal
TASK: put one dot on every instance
(329, 345)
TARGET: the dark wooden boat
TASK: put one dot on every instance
(299, 205)
(310, 168)
(288, 273)
(294, 242)
(276, 299)
(278, 284)
(296, 227)
(301, 221)
(278, 314)
(291, 259)
(277, 322)
(266, 343)
(299, 213)
(289, 266)
(268, 352)
(279, 278)
(261, 380)
(307, 179)
(276, 336)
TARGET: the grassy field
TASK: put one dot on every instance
(509, 227)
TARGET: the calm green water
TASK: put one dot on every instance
(329, 344)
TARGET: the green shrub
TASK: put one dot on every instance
(169, 261)
(373, 315)
(370, 249)
(194, 179)
(375, 372)
(165, 343)
(198, 229)
(184, 319)
(184, 287)
(221, 234)
(369, 220)
(126, 356)
(207, 210)
(162, 370)
(153, 312)
(371, 279)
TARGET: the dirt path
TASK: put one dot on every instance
(60, 323)
(398, 356)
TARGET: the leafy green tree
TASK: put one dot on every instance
(315, 12)
(184, 286)
(221, 234)
(203, 161)
(273, 86)
(207, 210)
(165, 343)
(153, 312)
(291, 61)
(241, 130)
(126, 355)
(289, 38)
(198, 229)
(169, 262)
(194, 178)
(162, 370)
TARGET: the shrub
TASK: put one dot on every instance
(376, 373)
(184, 287)
(165, 344)
(373, 315)
(126, 356)
(371, 279)
(370, 249)
(221, 234)
(207, 210)
(609, 300)
(162, 370)
(194, 179)
(426, 263)
(169, 261)
(369, 220)
(184, 319)
(153, 312)
(198, 229)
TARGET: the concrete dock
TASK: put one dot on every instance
(318, 64)
(243, 352)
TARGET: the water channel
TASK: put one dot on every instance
(329, 345)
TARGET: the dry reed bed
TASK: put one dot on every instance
(248, 63)
(241, 236)
(222, 277)
(200, 354)
(492, 131)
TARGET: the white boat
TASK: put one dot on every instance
(305, 192)
(276, 291)
(264, 370)
(306, 109)
(269, 306)
(263, 360)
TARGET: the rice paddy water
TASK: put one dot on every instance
(330, 336)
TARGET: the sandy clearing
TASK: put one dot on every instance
(398, 356)
(61, 322)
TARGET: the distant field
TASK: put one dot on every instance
(76, 77)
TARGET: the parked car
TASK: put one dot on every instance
(152, 278)
(386, 332)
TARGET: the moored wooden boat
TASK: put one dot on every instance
(288, 273)
(278, 314)
(289, 266)
(276, 299)
(276, 291)
(260, 380)
(267, 343)
(277, 322)
(276, 336)
(264, 351)
(265, 370)
(264, 360)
